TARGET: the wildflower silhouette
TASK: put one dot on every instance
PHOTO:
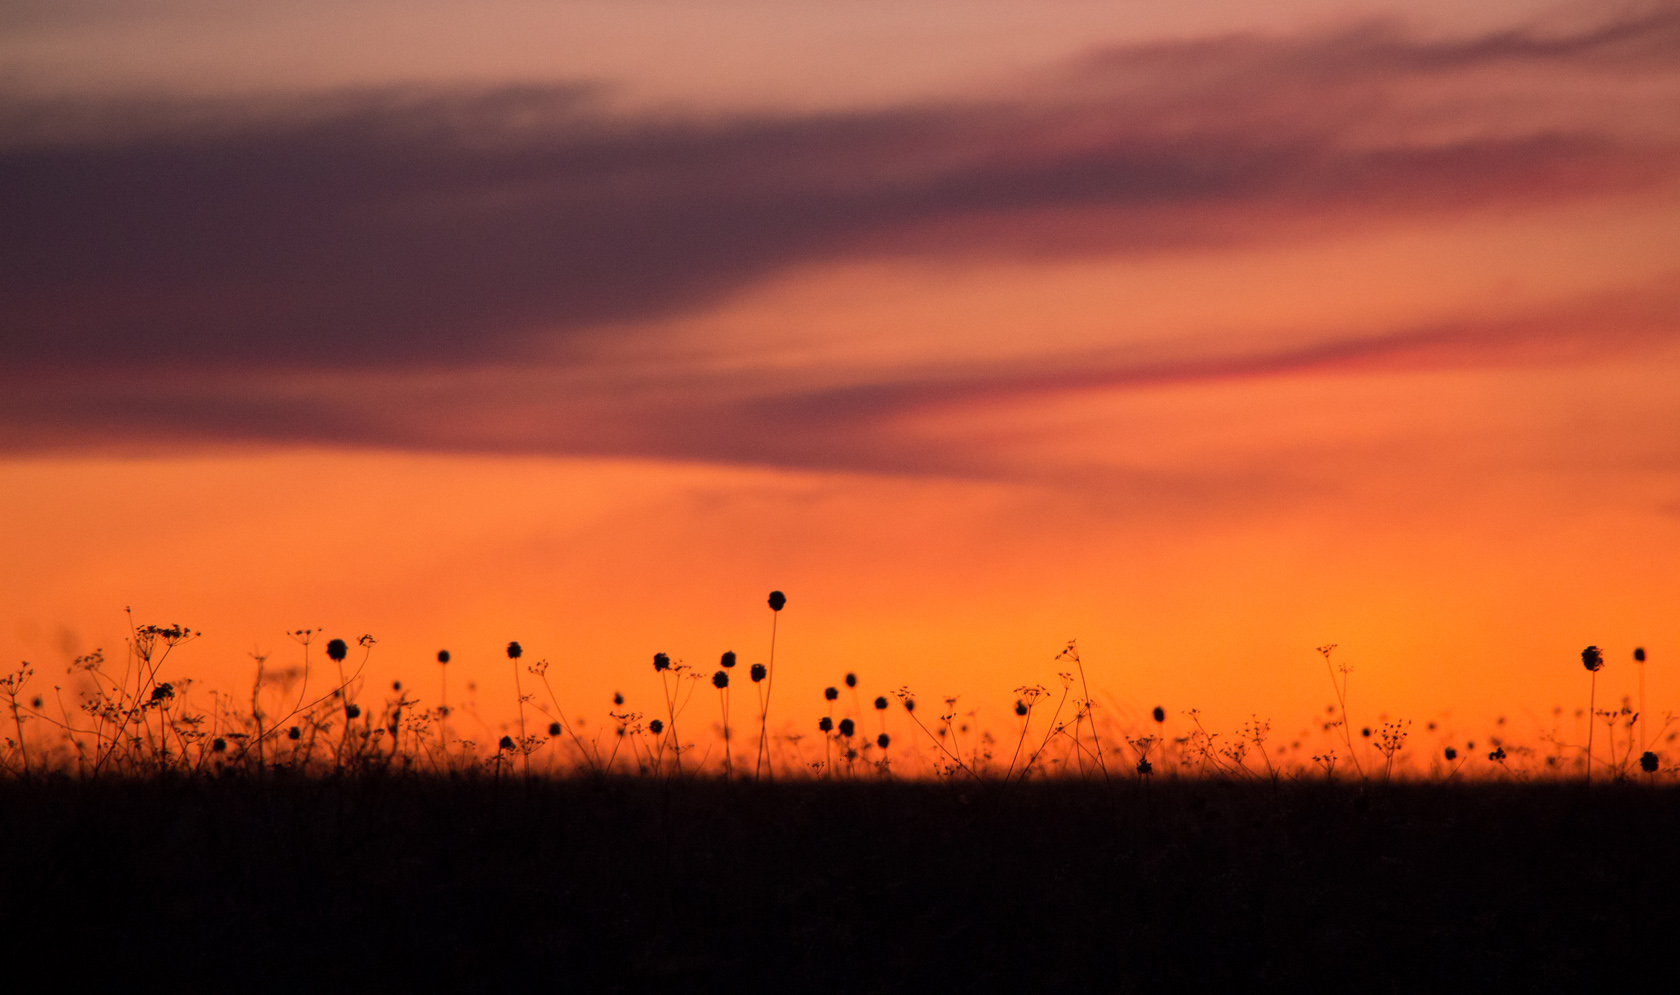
(1593, 660)
(777, 601)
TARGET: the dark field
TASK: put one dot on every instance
(293, 884)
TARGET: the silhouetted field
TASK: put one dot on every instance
(389, 882)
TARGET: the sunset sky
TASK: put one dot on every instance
(1203, 333)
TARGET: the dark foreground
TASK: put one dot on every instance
(590, 886)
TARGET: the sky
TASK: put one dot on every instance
(1204, 334)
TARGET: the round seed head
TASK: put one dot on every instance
(1591, 658)
(1450, 753)
(728, 660)
(851, 680)
(515, 651)
(1639, 655)
(757, 672)
(882, 740)
(336, 650)
(352, 711)
(720, 680)
(831, 693)
(1144, 766)
(554, 728)
(1648, 762)
(909, 704)
(777, 600)
(618, 697)
(661, 662)
(218, 745)
(1159, 714)
(656, 727)
(1366, 732)
(1020, 707)
(396, 685)
(847, 728)
(506, 743)
(825, 723)
(294, 732)
(443, 656)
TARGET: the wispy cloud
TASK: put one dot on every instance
(410, 228)
(435, 270)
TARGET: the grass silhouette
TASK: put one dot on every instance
(295, 835)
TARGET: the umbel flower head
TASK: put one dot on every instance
(336, 650)
(515, 651)
(777, 600)
(720, 680)
(757, 672)
(728, 660)
(1591, 658)
(661, 662)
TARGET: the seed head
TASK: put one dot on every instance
(882, 740)
(443, 656)
(881, 703)
(618, 697)
(506, 743)
(294, 732)
(554, 728)
(515, 651)
(352, 711)
(909, 704)
(656, 727)
(1451, 754)
(720, 680)
(728, 660)
(218, 745)
(777, 600)
(1591, 658)
(336, 650)
(1648, 762)
(1020, 707)
(1144, 766)
(661, 662)
(1160, 714)
(825, 723)
(396, 685)
(1366, 732)
(831, 693)
(757, 672)
(846, 728)
(1639, 655)
(851, 680)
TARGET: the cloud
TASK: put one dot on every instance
(439, 230)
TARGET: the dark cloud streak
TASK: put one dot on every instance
(392, 230)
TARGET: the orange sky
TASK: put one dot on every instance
(1204, 338)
